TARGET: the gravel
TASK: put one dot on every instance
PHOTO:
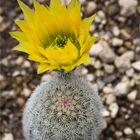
(114, 73)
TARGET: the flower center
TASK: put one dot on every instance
(60, 40)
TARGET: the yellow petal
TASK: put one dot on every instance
(68, 68)
(19, 36)
(55, 5)
(44, 67)
(38, 58)
(87, 21)
(87, 44)
(70, 52)
(72, 4)
(28, 13)
(84, 59)
(23, 25)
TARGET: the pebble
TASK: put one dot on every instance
(105, 112)
(104, 125)
(128, 7)
(19, 60)
(115, 31)
(118, 134)
(117, 42)
(96, 49)
(84, 71)
(101, 49)
(26, 64)
(122, 88)
(20, 101)
(8, 136)
(26, 92)
(124, 61)
(114, 108)
(110, 99)
(16, 73)
(130, 72)
(108, 90)
(45, 77)
(90, 77)
(137, 131)
(128, 131)
(91, 7)
(136, 65)
(97, 64)
(108, 68)
(132, 95)
(101, 84)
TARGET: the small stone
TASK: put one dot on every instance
(125, 35)
(97, 64)
(45, 77)
(84, 71)
(110, 99)
(122, 88)
(91, 7)
(136, 65)
(8, 136)
(101, 14)
(26, 64)
(128, 131)
(20, 101)
(96, 49)
(66, 2)
(117, 42)
(105, 113)
(101, 84)
(137, 131)
(128, 7)
(124, 61)
(20, 60)
(114, 108)
(118, 134)
(26, 92)
(109, 68)
(107, 54)
(101, 49)
(16, 73)
(108, 90)
(104, 124)
(90, 77)
(132, 95)
(116, 31)
(130, 72)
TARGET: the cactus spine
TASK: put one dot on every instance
(64, 107)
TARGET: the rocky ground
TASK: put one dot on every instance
(115, 71)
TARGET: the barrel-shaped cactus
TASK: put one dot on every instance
(64, 107)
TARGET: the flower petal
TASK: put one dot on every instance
(44, 67)
(28, 13)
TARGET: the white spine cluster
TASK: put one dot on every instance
(63, 108)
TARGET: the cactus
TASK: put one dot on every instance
(65, 107)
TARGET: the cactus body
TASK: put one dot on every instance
(64, 107)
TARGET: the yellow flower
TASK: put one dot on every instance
(55, 36)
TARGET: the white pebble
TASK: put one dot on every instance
(90, 77)
(136, 65)
(128, 131)
(132, 95)
(114, 108)
(117, 42)
(8, 136)
(122, 88)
